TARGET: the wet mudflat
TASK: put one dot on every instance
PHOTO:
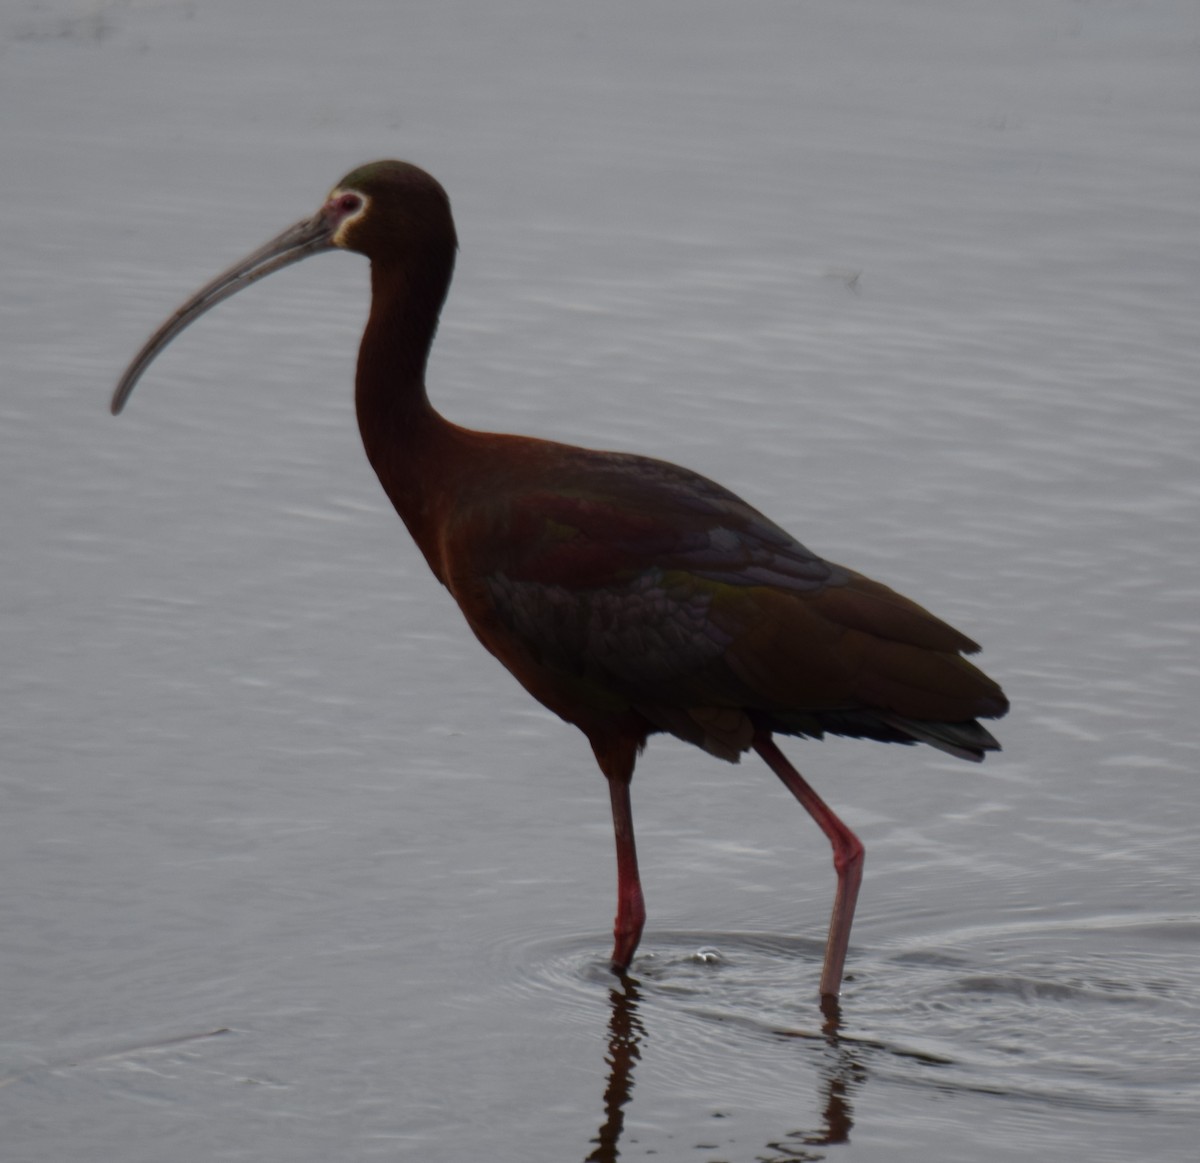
(293, 871)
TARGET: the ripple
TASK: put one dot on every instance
(1101, 1013)
(1098, 1012)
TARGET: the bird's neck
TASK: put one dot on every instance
(408, 443)
(406, 300)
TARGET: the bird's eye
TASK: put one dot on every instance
(349, 203)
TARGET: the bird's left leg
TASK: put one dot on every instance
(617, 765)
(848, 856)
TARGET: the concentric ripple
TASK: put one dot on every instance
(1100, 1013)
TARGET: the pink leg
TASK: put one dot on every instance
(848, 856)
(631, 908)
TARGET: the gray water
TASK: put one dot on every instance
(293, 871)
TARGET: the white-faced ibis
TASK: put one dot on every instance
(628, 595)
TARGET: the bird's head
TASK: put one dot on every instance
(390, 211)
(387, 211)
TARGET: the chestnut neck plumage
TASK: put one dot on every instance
(409, 444)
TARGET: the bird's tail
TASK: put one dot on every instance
(967, 740)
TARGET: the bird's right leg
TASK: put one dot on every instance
(848, 856)
(617, 765)
(631, 907)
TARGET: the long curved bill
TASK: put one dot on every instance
(309, 236)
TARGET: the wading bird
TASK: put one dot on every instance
(628, 595)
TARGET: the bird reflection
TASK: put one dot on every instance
(841, 1074)
(625, 1034)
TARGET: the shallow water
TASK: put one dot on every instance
(293, 871)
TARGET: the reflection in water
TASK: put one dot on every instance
(625, 1032)
(841, 1071)
(840, 1075)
